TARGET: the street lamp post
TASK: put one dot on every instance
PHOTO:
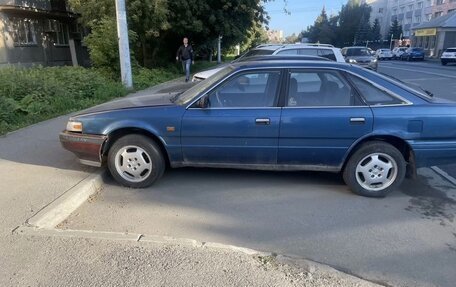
(124, 48)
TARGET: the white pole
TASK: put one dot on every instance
(219, 50)
(391, 42)
(124, 49)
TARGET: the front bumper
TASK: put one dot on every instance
(448, 60)
(88, 148)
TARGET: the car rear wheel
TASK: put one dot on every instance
(135, 161)
(375, 169)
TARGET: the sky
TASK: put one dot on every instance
(303, 13)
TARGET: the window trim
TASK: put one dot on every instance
(284, 70)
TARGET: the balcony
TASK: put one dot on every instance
(409, 14)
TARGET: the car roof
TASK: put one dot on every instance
(450, 48)
(284, 57)
(292, 47)
(268, 47)
(355, 47)
(290, 64)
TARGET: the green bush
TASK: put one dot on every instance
(31, 95)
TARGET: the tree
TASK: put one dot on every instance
(352, 22)
(293, 38)
(395, 29)
(375, 34)
(322, 31)
(256, 35)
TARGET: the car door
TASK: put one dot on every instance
(238, 125)
(322, 117)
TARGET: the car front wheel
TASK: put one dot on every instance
(375, 169)
(135, 161)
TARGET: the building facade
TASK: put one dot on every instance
(409, 13)
(436, 35)
(40, 32)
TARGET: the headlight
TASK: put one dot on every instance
(374, 60)
(74, 126)
(352, 61)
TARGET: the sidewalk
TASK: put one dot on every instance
(36, 171)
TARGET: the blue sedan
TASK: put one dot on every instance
(413, 54)
(273, 115)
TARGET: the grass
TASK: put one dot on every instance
(31, 95)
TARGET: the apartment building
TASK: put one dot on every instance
(39, 32)
(409, 13)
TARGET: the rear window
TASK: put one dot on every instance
(358, 52)
(258, 52)
(450, 50)
(325, 53)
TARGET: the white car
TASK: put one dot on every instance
(320, 50)
(384, 54)
(448, 56)
(398, 51)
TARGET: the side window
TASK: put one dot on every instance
(320, 88)
(373, 95)
(254, 89)
(308, 52)
(327, 53)
(288, 52)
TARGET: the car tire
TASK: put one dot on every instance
(136, 161)
(369, 162)
(409, 59)
(444, 63)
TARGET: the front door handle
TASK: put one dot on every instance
(357, 121)
(263, 121)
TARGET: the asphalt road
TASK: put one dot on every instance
(406, 239)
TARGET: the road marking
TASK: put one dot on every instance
(421, 71)
(443, 174)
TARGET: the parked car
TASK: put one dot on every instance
(398, 51)
(384, 54)
(273, 115)
(309, 49)
(360, 56)
(413, 53)
(448, 56)
(321, 50)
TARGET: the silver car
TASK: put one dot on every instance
(360, 56)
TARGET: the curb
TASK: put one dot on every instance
(59, 209)
(285, 260)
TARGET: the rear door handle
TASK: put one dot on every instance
(264, 121)
(357, 120)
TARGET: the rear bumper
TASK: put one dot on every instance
(434, 153)
(88, 148)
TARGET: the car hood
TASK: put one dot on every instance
(361, 58)
(141, 100)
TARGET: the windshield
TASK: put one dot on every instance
(451, 50)
(191, 93)
(358, 52)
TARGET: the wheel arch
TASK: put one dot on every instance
(404, 148)
(116, 134)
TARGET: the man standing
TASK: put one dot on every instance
(185, 54)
